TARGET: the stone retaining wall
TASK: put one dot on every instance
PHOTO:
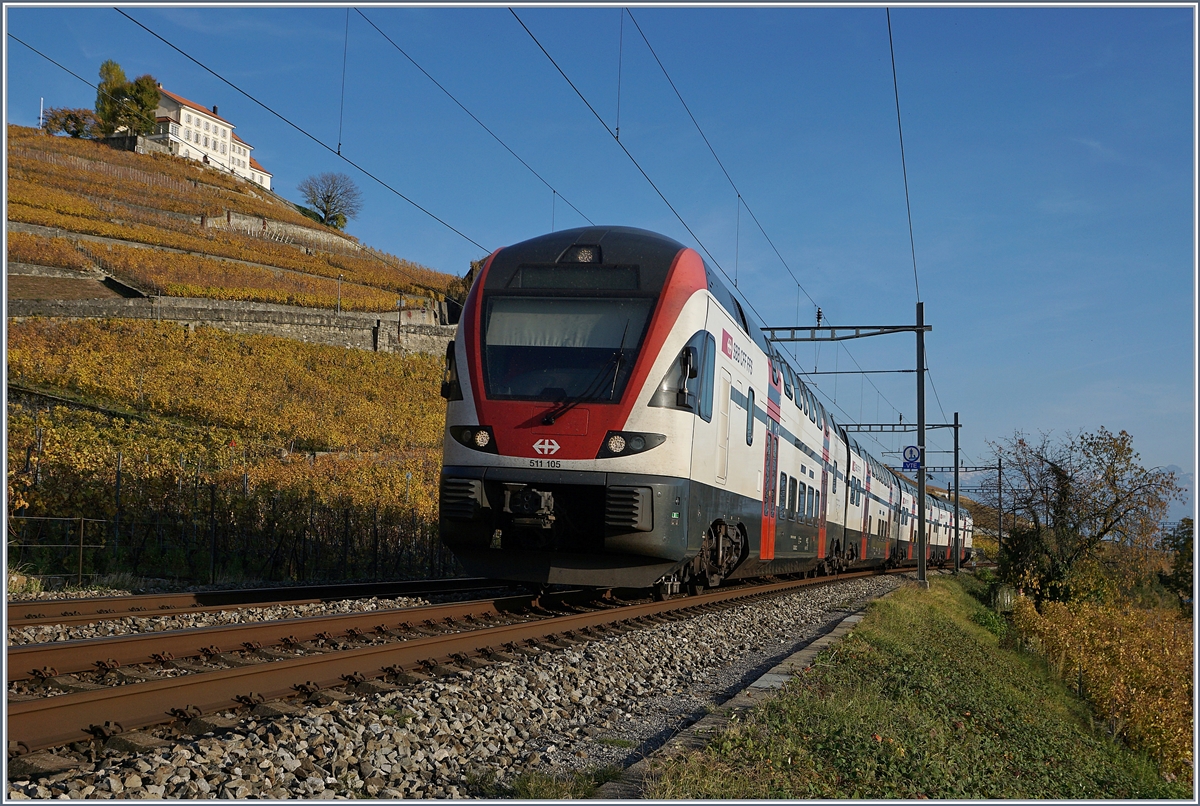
(377, 332)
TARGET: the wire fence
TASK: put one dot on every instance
(274, 540)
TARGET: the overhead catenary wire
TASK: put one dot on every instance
(711, 150)
(648, 179)
(302, 131)
(621, 145)
(741, 199)
(68, 70)
(473, 117)
(903, 166)
(342, 103)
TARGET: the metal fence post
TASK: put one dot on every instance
(212, 522)
(117, 521)
(80, 551)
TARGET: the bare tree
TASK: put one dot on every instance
(334, 196)
(1071, 498)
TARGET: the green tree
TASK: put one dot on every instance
(109, 95)
(1071, 498)
(74, 122)
(125, 105)
(141, 97)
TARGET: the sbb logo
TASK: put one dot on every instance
(545, 446)
(731, 349)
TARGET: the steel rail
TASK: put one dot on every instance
(71, 657)
(58, 611)
(54, 721)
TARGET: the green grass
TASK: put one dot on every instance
(921, 700)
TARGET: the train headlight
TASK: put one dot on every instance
(627, 443)
(475, 437)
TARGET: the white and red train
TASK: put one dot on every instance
(615, 418)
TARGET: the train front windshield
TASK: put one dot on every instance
(555, 348)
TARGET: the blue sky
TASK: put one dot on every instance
(1049, 155)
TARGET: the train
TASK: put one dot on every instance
(616, 418)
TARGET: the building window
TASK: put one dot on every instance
(187, 119)
(224, 133)
(175, 129)
(206, 125)
(187, 153)
(206, 141)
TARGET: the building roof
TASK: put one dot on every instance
(256, 166)
(240, 140)
(193, 105)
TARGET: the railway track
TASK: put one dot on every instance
(249, 665)
(79, 611)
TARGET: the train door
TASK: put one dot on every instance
(770, 511)
(724, 397)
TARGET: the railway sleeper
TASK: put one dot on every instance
(234, 661)
(213, 723)
(131, 675)
(276, 709)
(71, 684)
(405, 676)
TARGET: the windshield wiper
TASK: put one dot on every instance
(566, 404)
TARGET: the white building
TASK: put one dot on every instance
(199, 133)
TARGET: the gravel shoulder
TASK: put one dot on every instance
(604, 702)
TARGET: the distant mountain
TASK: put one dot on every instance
(1186, 507)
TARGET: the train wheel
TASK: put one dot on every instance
(662, 591)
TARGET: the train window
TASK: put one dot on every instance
(451, 388)
(835, 472)
(800, 501)
(750, 416)
(787, 381)
(708, 364)
(783, 486)
(812, 409)
(820, 416)
(810, 510)
(792, 499)
(556, 349)
(699, 388)
(817, 510)
(741, 316)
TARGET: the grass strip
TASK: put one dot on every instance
(920, 700)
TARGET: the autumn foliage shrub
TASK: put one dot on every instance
(182, 275)
(337, 427)
(24, 247)
(289, 394)
(1135, 667)
(158, 200)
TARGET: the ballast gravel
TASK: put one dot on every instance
(127, 625)
(604, 702)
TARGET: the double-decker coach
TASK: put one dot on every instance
(615, 418)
